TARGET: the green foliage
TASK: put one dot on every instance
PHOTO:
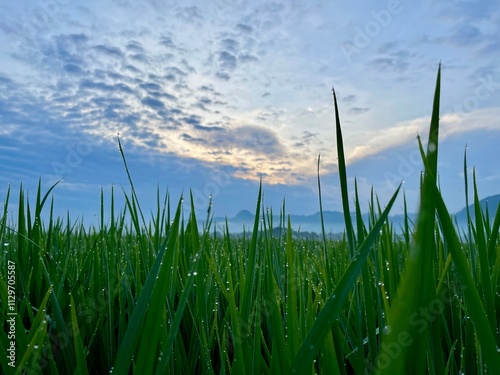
(160, 296)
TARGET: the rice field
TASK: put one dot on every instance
(153, 294)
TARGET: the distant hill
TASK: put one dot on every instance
(243, 216)
(491, 202)
(334, 220)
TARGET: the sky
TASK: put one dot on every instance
(211, 96)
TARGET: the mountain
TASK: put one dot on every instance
(334, 220)
(490, 202)
(243, 216)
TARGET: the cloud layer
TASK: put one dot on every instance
(241, 86)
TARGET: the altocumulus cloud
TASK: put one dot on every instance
(256, 139)
(152, 98)
(249, 148)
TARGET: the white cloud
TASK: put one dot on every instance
(375, 142)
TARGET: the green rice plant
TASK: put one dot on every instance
(411, 349)
(326, 317)
(407, 344)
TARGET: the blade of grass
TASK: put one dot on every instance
(492, 250)
(292, 319)
(407, 343)
(323, 233)
(35, 337)
(81, 360)
(343, 178)
(134, 333)
(246, 297)
(469, 220)
(484, 265)
(475, 307)
(174, 329)
(326, 317)
(134, 195)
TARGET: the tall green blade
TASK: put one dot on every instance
(323, 234)
(81, 358)
(174, 328)
(134, 332)
(343, 178)
(484, 264)
(407, 342)
(248, 291)
(327, 316)
(475, 306)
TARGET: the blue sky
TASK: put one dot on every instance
(211, 95)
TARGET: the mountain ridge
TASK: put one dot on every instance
(334, 220)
